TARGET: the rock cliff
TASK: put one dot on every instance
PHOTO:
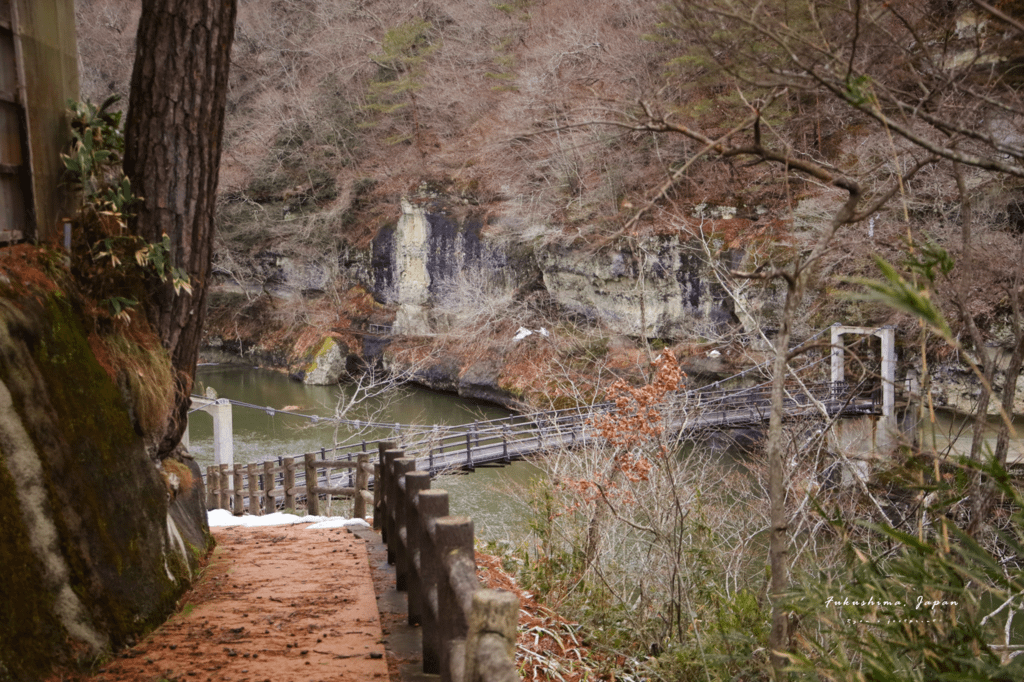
(444, 268)
(97, 541)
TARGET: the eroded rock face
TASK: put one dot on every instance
(428, 264)
(658, 287)
(957, 389)
(664, 289)
(92, 554)
(429, 253)
(480, 381)
(412, 291)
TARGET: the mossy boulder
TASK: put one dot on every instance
(326, 364)
(92, 556)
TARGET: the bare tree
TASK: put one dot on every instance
(930, 87)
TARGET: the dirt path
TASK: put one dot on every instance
(280, 603)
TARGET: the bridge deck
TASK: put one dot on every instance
(502, 441)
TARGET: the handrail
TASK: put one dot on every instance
(508, 438)
(468, 633)
(256, 487)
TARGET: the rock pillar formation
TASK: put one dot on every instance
(412, 279)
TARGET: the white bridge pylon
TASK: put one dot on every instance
(223, 440)
(888, 337)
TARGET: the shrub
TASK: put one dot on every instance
(938, 605)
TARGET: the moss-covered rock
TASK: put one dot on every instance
(326, 364)
(92, 556)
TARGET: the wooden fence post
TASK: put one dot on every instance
(254, 491)
(212, 487)
(378, 486)
(269, 504)
(289, 483)
(388, 497)
(454, 538)
(362, 483)
(401, 467)
(415, 483)
(433, 504)
(239, 502)
(468, 634)
(312, 494)
(225, 494)
(491, 641)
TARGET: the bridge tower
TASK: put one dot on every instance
(223, 437)
(888, 337)
(861, 440)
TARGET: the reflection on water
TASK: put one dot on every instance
(496, 499)
(261, 433)
(490, 495)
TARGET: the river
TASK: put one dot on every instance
(953, 434)
(492, 496)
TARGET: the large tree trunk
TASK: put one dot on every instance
(173, 143)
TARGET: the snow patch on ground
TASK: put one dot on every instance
(223, 518)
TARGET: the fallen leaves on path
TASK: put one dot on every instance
(277, 604)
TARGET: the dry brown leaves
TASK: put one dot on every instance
(549, 646)
(22, 268)
(634, 428)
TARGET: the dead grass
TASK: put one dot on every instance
(25, 267)
(549, 647)
(135, 359)
(184, 474)
(129, 352)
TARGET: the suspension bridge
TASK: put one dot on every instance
(496, 442)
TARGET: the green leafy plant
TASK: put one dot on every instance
(93, 165)
(402, 60)
(895, 291)
(117, 258)
(935, 605)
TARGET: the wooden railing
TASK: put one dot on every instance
(266, 486)
(469, 633)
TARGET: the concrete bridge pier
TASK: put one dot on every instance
(866, 438)
(223, 437)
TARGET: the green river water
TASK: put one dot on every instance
(492, 496)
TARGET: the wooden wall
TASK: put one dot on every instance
(38, 74)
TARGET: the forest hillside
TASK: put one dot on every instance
(548, 131)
